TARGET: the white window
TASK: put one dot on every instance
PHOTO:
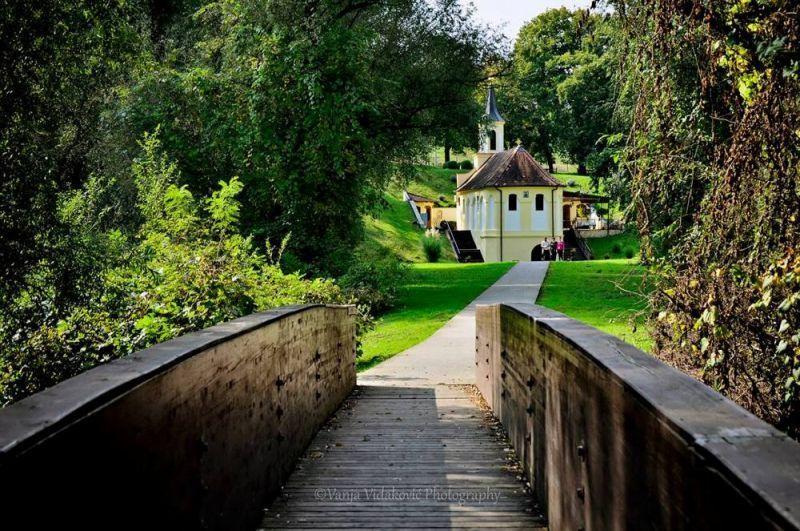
(491, 214)
(512, 202)
(539, 214)
(512, 214)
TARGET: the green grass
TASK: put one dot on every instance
(582, 182)
(606, 294)
(393, 230)
(614, 246)
(433, 294)
(434, 183)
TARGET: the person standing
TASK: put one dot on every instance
(546, 250)
(560, 248)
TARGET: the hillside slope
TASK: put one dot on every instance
(394, 230)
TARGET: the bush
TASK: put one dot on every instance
(184, 269)
(373, 281)
(451, 165)
(571, 183)
(616, 249)
(466, 165)
(432, 245)
(606, 256)
(629, 253)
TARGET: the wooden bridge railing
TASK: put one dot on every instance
(612, 438)
(194, 433)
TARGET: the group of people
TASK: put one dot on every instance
(553, 249)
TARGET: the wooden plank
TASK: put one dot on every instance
(417, 458)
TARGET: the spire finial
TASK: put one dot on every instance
(491, 106)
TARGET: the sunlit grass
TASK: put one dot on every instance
(433, 294)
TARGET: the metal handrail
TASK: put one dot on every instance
(582, 245)
(451, 237)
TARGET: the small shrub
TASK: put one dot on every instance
(606, 256)
(629, 253)
(432, 246)
(451, 165)
(571, 183)
(466, 165)
(616, 249)
(373, 281)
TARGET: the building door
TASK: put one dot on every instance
(428, 216)
(567, 213)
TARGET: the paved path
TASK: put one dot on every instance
(448, 356)
(413, 449)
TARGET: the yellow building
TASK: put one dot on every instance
(509, 203)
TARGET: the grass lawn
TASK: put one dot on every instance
(434, 183)
(395, 232)
(434, 293)
(614, 246)
(582, 182)
(606, 294)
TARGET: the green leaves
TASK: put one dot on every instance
(223, 206)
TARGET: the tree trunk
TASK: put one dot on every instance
(447, 152)
(582, 168)
(551, 163)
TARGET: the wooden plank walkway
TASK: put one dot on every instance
(407, 458)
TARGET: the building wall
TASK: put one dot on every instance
(439, 214)
(479, 211)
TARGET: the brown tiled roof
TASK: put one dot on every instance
(585, 198)
(419, 198)
(514, 167)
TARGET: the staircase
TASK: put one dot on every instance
(574, 240)
(462, 242)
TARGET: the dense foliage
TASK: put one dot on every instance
(185, 268)
(714, 168)
(307, 102)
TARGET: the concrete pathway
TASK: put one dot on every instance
(448, 356)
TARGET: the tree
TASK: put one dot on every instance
(713, 163)
(58, 61)
(529, 95)
(313, 114)
(559, 97)
(587, 94)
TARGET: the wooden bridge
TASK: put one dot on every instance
(519, 418)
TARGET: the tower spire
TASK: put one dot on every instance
(491, 106)
(492, 137)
